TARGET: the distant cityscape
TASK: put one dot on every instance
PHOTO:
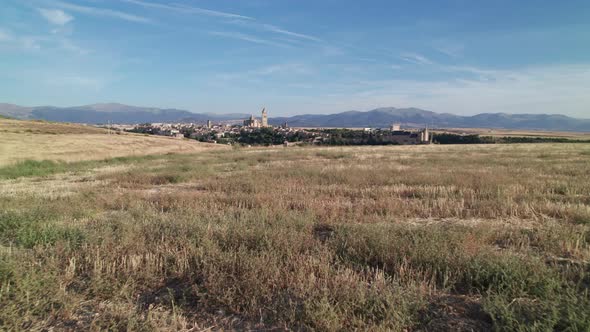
(257, 131)
(109, 113)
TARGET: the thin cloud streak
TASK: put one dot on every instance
(202, 11)
(236, 18)
(248, 38)
(102, 12)
(450, 49)
(279, 30)
(255, 75)
(416, 59)
(187, 9)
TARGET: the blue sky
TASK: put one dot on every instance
(299, 56)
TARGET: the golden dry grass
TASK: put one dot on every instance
(31, 140)
(44, 127)
(403, 238)
(518, 133)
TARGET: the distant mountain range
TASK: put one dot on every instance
(381, 117)
(113, 113)
(414, 117)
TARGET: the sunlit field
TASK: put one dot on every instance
(39, 140)
(462, 237)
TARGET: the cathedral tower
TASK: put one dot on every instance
(264, 118)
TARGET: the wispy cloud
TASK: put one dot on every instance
(279, 30)
(55, 16)
(187, 9)
(5, 35)
(35, 43)
(202, 11)
(68, 45)
(94, 11)
(545, 89)
(233, 18)
(30, 43)
(450, 49)
(484, 74)
(284, 68)
(247, 38)
(258, 75)
(331, 51)
(77, 81)
(415, 58)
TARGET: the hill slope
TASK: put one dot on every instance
(23, 140)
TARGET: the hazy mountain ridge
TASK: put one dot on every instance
(414, 117)
(111, 112)
(380, 117)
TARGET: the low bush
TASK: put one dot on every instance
(30, 168)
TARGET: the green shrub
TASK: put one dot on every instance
(29, 168)
(34, 228)
(47, 234)
(568, 310)
(509, 275)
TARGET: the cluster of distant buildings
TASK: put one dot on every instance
(209, 132)
(407, 137)
(213, 133)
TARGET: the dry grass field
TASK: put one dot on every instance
(517, 133)
(36, 140)
(573, 135)
(402, 238)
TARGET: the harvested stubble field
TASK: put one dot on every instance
(39, 140)
(518, 133)
(369, 238)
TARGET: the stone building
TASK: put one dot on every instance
(253, 122)
(424, 136)
(406, 137)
